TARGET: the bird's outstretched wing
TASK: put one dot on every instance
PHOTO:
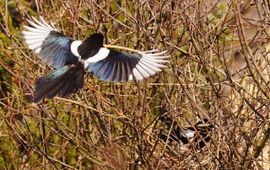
(122, 67)
(48, 43)
(58, 50)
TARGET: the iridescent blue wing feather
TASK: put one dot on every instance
(122, 67)
(49, 44)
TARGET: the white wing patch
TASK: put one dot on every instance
(150, 64)
(102, 54)
(37, 33)
(130, 77)
(74, 47)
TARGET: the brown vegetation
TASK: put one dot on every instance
(219, 70)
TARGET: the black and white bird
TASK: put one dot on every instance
(199, 133)
(73, 58)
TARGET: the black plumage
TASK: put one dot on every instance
(90, 46)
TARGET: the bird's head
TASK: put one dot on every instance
(94, 41)
(91, 45)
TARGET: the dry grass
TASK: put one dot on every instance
(219, 70)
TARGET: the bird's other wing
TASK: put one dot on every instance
(49, 44)
(122, 67)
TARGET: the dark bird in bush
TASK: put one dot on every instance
(73, 58)
(199, 133)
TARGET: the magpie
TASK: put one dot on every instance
(199, 133)
(73, 58)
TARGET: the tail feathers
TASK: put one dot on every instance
(61, 82)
